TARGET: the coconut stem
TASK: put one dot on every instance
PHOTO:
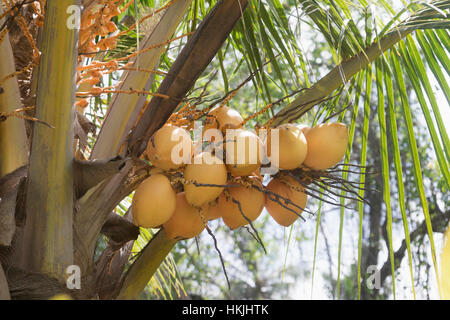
(258, 238)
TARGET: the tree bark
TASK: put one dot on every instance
(4, 288)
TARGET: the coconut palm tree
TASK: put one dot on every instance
(61, 188)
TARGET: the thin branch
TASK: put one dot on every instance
(441, 219)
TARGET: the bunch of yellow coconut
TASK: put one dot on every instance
(233, 189)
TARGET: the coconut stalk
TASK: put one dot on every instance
(13, 138)
(47, 245)
(124, 109)
(145, 266)
(340, 75)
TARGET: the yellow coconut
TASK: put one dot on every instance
(242, 149)
(204, 169)
(213, 211)
(251, 203)
(223, 116)
(292, 146)
(283, 216)
(304, 127)
(327, 144)
(186, 221)
(170, 147)
(220, 118)
(153, 202)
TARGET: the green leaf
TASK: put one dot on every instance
(398, 168)
(362, 179)
(319, 212)
(406, 111)
(416, 71)
(385, 162)
(438, 47)
(428, 49)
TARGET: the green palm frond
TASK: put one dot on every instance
(398, 170)
(385, 162)
(430, 17)
(166, 283)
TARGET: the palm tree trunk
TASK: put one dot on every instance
(4, 289)
(47, 245)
